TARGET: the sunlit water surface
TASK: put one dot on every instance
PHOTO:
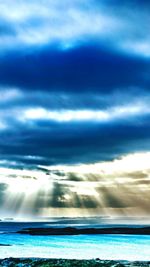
(124, 247)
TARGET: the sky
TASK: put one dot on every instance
(74, 108)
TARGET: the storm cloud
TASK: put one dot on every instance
(74, 90)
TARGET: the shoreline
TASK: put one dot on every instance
(44, 262)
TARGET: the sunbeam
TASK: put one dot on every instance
(114, 188)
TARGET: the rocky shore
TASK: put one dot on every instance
(33, 262)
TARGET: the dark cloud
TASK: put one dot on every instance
(113, 201)
(84, 68)
(123, 196)
(136, 175)
(74, 177)
(58, 196)
(62, 196)
(72, 143)
(142, 182)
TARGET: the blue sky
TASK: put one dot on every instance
(74, 91)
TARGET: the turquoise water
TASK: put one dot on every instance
(124, 247)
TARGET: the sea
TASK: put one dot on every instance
(104, 246)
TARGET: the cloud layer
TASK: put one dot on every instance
(74, 89)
